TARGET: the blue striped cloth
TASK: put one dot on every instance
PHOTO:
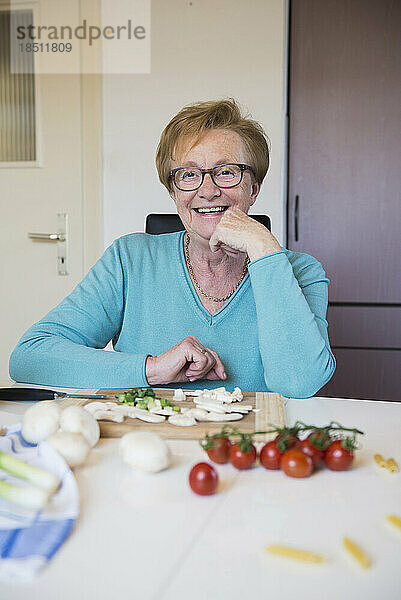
(28, 539)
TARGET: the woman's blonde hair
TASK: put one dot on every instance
(192, 122)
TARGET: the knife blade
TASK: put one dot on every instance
(34, 394)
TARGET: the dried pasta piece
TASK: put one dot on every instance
(394, 520)
(392, 465)
(296, 554)
(355, 551)
(380, 461)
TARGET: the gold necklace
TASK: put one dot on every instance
(244, 270)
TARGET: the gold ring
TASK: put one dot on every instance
(203, 350)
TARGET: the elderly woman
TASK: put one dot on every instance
(220, 301)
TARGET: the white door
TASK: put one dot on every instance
(30, 199)
(64, 177)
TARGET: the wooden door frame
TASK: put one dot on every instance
(92, 168)
(91, 142)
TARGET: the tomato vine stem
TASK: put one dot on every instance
(320, 437)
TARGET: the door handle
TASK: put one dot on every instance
(61, 239)
(50, 237)
(296, 214)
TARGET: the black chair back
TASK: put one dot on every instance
(157, 223)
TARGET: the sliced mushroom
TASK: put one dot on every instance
(179, 395)
(93, 406)
(208, 395)
(237, 395)
(108, 415)
(181, 420)
(205, 399)
(245, 409)
(123, 409)
(111, 405)
(219, 395)
(197, 413)
(167, 411)
(223, 396)
(213, 406)
(130, 411)
(145, 415)
(213, 416)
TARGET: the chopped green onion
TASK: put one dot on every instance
(24, 495)
(144, 398)
(34, 475)
(176, 408)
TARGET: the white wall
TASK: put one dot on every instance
(201, 50)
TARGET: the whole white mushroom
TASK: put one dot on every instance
(145, 451)
(40, 421)
(73, 447)
(78, 420)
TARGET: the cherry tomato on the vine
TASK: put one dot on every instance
(241, 459)
(338, 458)
(315, 454)
(296, 463)
(287, 440)
(203, 479)
(321, 439)
(219, 452)
(270, 456)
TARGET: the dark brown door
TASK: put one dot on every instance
(344, 202)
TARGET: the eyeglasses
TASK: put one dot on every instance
(188, 179)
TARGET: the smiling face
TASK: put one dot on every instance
(216, 147)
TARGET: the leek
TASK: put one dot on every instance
(24, 495)
(38, 477)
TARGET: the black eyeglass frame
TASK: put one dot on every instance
(242, 167)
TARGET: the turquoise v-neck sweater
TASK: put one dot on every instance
(271, 335)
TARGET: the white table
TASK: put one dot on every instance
(149, 537)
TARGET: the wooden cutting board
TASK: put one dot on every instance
(270, 412)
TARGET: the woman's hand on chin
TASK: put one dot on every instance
(237, 232)
(186, 361)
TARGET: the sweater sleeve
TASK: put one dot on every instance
(291, 303)
(65, 348)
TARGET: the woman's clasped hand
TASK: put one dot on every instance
(237, 232)
(186, 361)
